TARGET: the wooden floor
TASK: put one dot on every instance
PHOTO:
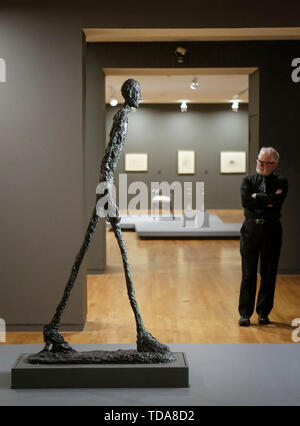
(187, 292)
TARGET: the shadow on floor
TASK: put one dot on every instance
(275, 325)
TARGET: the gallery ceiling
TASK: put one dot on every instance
(165, 86)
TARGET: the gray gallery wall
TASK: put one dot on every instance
(45, 143)
(41, 173)
(161, 130)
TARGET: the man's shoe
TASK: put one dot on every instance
(244, 322)
(263, 320)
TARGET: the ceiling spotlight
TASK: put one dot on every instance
(194, 84)
(180, 54)
(183, 106)
(235, 105)
(236, 100)
(113, 102)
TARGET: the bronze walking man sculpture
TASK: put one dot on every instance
(148, 348)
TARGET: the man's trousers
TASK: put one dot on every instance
(259, 241)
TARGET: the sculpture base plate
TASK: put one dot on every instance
(25, 375)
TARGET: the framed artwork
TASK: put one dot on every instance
(136, 162)
(185, 162)
(233, 162)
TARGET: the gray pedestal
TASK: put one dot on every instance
(220, 374)
(36, 376)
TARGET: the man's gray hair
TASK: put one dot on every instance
(272, 152)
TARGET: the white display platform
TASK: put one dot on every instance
(226, 230)
(146, 227)
(220, 374)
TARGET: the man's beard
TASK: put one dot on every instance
(260, 172)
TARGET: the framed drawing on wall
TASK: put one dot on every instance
(136, 162)
(233, 162)
(185, 162)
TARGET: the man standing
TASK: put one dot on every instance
(262, 197)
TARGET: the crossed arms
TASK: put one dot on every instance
(260, 200)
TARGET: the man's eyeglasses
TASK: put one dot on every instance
(264, 163)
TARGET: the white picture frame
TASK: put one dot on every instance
(136, 162)
(186, 162)
(233, 162)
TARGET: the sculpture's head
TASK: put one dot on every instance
(131, 92)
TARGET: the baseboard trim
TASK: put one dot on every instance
(39, 327)
(288, 271)
(95, 271)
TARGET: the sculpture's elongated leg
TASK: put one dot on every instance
(130, 289)
(52, 336)
(145, 341)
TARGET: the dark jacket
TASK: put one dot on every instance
(258, 207)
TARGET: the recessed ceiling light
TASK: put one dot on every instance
(113, 102)
(194, 84)
(235, 105)
(183, 106)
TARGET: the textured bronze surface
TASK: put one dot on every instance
(148, 348)
(100, 357)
